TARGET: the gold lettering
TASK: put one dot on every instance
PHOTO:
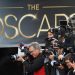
(19, 25)
(59, 15)
(13, 27)
(43, 30)
(2, 26)
(33, 6)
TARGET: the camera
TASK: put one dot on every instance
(58, 62)
(64, 29)
(48, 51)
(22, 51)
(70, 49)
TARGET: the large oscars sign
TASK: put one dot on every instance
(30, 23)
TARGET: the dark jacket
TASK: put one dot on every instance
(35, 65)
(71, 72)
(49, 69)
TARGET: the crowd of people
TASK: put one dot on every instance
(58, 57)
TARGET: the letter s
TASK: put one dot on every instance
(13, 27)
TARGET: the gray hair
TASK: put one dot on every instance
(36, 45)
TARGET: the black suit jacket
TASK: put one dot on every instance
(35, 65)
(71, 72)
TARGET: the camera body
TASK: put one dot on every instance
(22, 51)
(58, 62)
(48, 51)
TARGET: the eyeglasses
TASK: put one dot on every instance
(66, 62)
(31, 51)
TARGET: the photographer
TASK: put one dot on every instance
(36, 66)
(50, 38)
(70, 62)
(56, 61)
(51, 62)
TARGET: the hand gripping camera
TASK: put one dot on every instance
(22, 51)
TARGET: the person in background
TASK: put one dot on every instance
(50, 40)
(70, 63)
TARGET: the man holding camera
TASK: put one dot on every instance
(36, 66)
